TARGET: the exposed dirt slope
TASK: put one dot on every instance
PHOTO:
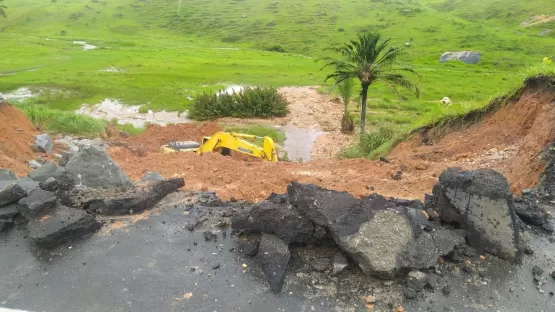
(509, 140)
(16, 135)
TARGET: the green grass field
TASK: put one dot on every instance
(168, 57)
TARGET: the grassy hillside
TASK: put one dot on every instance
(168, 57)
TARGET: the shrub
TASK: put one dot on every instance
(143, 109)
(63, 121)
(251, 102)
(275, 48)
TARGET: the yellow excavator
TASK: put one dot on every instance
(225, 142)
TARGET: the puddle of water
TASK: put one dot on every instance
(19, 94)
(85, 45)
(231, 89)
(298, 143)
(129, 114)
(112, 70)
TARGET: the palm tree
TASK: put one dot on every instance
(346, 92)
(369, 60)
(3, 9)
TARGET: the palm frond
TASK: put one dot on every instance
(394, 80)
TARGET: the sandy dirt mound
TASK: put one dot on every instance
(16, 135)
(509, 141)
(156, 135)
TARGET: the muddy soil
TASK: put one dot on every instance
(17, 134)
(510, 141)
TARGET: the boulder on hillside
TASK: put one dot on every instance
(7, 175)
(37, 204)
(11, 193)
(120, 201)
(381, 236)
(43, 143)
(481, 203)
(280, 219)
(92, 167)
(273, 256)
(466, 57)
(64, 225)
(49, 170)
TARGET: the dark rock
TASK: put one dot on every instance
(383, 159)
(47, 171)
(124, 200)
(5, 225)
(66, 156)
(273, 256)
(432, 281)
(480, 202)
(26, 184)
(552, 274)
(152, 176)
(410, 293)
(381, 237)
(65, 225)
(280, 219)
(7, 175)
(548, 226)
(92, 167)
(416, 280)
(43, 143)
(530, 213)
(216, 266)
(467, 269)
(446, 290)
(340, 263)
(320, 264)
(209, 236)
(537, 271)
(277, 198)
(529, 251)
(11, 193)
(50, 184)
(461, 252)
(248, 243)
(37, 204)
(9, 212)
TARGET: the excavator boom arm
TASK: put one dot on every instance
(237, 142)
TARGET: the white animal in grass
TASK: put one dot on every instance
(446, 101)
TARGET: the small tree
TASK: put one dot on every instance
(369, 60)
(346, 92)
(3, 9)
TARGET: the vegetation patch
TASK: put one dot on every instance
(251, 102)
(65, 122)
(259, 130)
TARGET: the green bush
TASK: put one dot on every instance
(259, 130)
(376, 142)
(251, 102)
(59, 121)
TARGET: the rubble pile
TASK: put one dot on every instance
(384, 237)
(58, 204)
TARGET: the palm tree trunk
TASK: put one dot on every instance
(364, 94)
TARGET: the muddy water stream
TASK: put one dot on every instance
(298, 143)
(129, 114)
